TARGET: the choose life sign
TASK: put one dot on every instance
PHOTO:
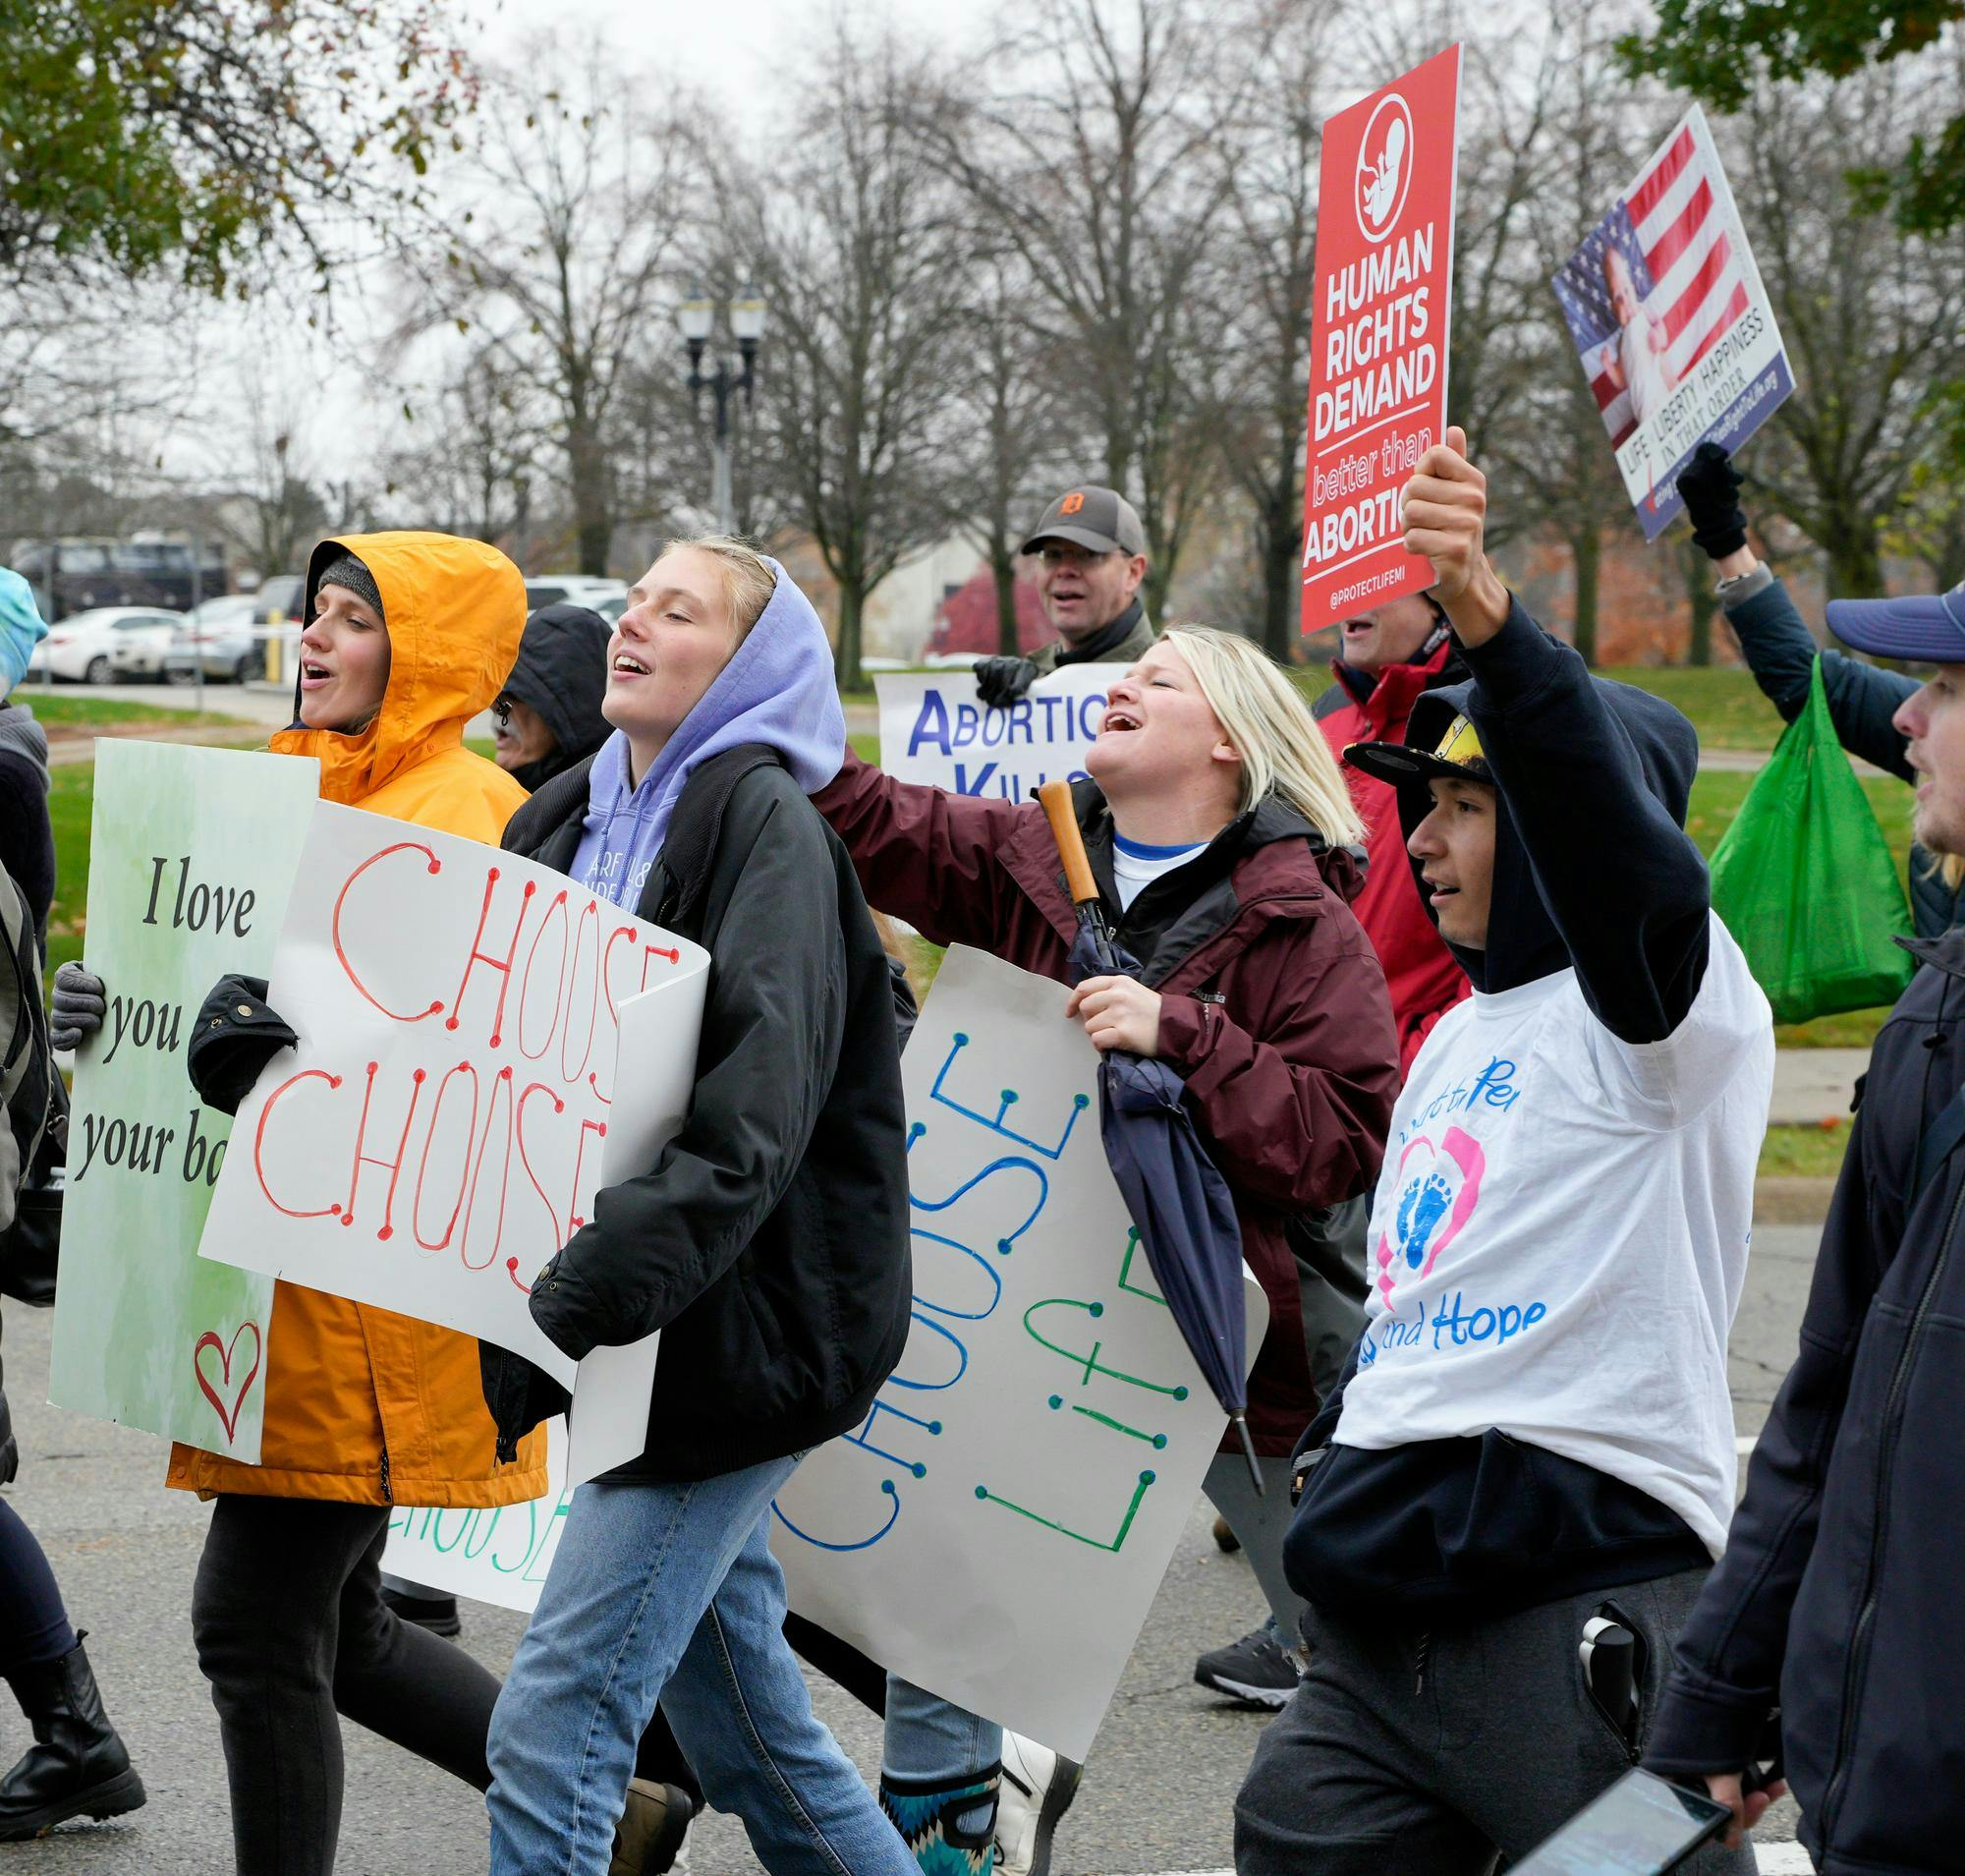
(192, 858)
(1379, 339)
(996, 1529)
(483, 1044)
(934, 728)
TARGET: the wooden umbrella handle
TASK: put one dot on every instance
(1055, 797)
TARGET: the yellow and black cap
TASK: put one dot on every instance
(1456, 756)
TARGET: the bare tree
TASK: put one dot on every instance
(1270, 155)
(1007, 416)
(1929, 524)
(1561, 465)
(1873, 320)
(859, 256)
(565, 265)
(1091, 155)
(481, 439)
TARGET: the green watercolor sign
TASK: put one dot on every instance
(192, 862)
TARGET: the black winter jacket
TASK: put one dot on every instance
(770, 1243)
(1841, 1595)
(1862, 700)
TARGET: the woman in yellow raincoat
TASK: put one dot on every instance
(409, 637)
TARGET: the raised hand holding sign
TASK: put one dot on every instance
(1444, 510)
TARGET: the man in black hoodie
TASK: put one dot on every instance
(1533, 1433)
(1836, 1619)
(548, 713)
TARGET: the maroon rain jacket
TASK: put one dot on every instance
(1273, 1002)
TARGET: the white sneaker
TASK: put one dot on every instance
(1037, 1791)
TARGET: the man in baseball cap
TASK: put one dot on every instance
(1092, 555)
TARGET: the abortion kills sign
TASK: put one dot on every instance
(1379, 343)
(471, 1026)
(190, 862)
(936, 730)
(997, 1528)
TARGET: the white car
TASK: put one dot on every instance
(106, 645)
(226, 635)
(609, 598)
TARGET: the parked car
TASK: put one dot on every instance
(609, 598)
(278, 599)
(220, 636)
(106, 645)
(276, 623)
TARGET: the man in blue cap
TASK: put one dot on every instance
(1830, 1633)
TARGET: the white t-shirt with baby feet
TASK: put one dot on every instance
(1559, 1236)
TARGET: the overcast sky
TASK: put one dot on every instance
(731, 46)
(340, 417)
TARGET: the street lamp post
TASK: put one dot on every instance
(696, 318)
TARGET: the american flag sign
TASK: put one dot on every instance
(1672, 323)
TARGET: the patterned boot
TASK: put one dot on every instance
(951, 1829)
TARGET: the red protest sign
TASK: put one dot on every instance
(1378, 364)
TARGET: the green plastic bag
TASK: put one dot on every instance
(1805, 882)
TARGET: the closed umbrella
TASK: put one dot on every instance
(1178, 1200)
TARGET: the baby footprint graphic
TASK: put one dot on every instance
(1423, 1205)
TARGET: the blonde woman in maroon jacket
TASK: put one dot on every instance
(1223, 839)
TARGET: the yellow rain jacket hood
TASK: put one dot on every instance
(364, 1406)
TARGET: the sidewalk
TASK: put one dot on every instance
(1813, 1085)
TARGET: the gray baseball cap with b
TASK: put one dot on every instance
(1100, 519)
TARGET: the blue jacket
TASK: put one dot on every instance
(1862, 700)
(1841, 1595)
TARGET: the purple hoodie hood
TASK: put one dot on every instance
(777, 689)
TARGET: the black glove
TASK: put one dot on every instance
(235, 1036)
(518, 1395)
(1711, 485)
(77, 1007)
(1001, 681)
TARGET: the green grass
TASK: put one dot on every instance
(63, 708)
(71, 807)
(1808, 1153)
(1725, 705)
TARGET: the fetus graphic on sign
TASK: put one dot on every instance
(1384, 167)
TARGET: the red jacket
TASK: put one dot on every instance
(1292, 1072)
(1420, 972)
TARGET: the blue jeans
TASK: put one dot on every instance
(668, 1591)
(930, 1741)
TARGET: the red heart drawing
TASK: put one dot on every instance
(228, 1415)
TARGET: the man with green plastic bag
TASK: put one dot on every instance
(1863, 700)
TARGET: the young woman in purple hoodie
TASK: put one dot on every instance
(769, 1244)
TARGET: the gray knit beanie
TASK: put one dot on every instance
(347, 571)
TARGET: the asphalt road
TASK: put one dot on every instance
(1157, 1795)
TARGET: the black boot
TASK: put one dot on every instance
(77, 1765)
